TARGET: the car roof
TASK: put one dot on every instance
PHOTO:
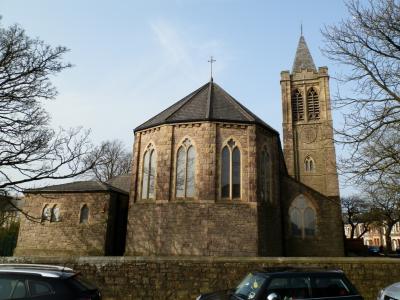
(296, 269)
(50, 271)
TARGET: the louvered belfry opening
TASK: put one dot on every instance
(312, 104)
(297, 106)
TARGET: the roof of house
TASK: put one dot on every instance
(208, 103)
(77, 186)
(303, 59)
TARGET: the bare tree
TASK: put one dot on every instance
(368, 43)
(356, 212)
(30, 150)
(385, 201)
(114, 161)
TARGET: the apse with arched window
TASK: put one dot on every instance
(297, 106)
(302, 217)
(265, 178)
(230, 171)
(149, 173)
(84, 214)
(185, 186)
(312, 104)
(309, 164)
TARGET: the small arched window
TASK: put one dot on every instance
(149, 173)
(185, 170)
(312, 104)
(230, 171)
(309, 164)
(302, 217)
(55, 214)
(265, 178)
(297, 106)
(84, 215)
(46, 213)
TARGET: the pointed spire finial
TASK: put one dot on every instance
(301, 28)
(303, 59)
(211, 61)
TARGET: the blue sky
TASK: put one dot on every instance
(134, 58)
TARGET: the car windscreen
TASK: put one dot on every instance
(250, 286)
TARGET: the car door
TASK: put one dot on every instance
(41, 289)
(13, 287)
(295, 286)
(332, 287)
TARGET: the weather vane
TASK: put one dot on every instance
(211, 61)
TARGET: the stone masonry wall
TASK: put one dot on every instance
(214, 229)
(172, 278)
(66, 237)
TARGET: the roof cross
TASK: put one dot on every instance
(211, 61)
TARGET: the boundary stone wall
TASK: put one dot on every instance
(184, 278)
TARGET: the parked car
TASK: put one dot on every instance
(374, 250)
(289, 283)
(391, 292)
(44, 282)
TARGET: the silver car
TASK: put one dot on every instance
(391, 292)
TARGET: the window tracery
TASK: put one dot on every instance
(309, 164)
(302, 217)
(297, 106)
(230, 171)
(185, 170)
(312, 104)
(149, 172)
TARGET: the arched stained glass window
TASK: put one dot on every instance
(185, 170)
(312, 104)
(231, 171)
(302, 217)
(309, 164)
(84, 214)
(265, 178)
(149, 173)
(297, 106)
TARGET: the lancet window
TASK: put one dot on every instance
(185, 170)
(230, 171)
(149, 173)
(297, 106)
(312, 104)
(309, 164)
(84, 215)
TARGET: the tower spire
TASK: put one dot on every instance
(303, 59)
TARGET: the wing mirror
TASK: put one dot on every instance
(273, 296)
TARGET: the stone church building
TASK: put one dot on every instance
(210, 178)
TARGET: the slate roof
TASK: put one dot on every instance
(121, 182)
(208, 103)
(77, 186)
(303, 59)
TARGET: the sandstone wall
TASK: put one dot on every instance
(67, 236)
(162, 278)
(209, 229)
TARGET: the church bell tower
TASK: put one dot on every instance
(307, 124)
